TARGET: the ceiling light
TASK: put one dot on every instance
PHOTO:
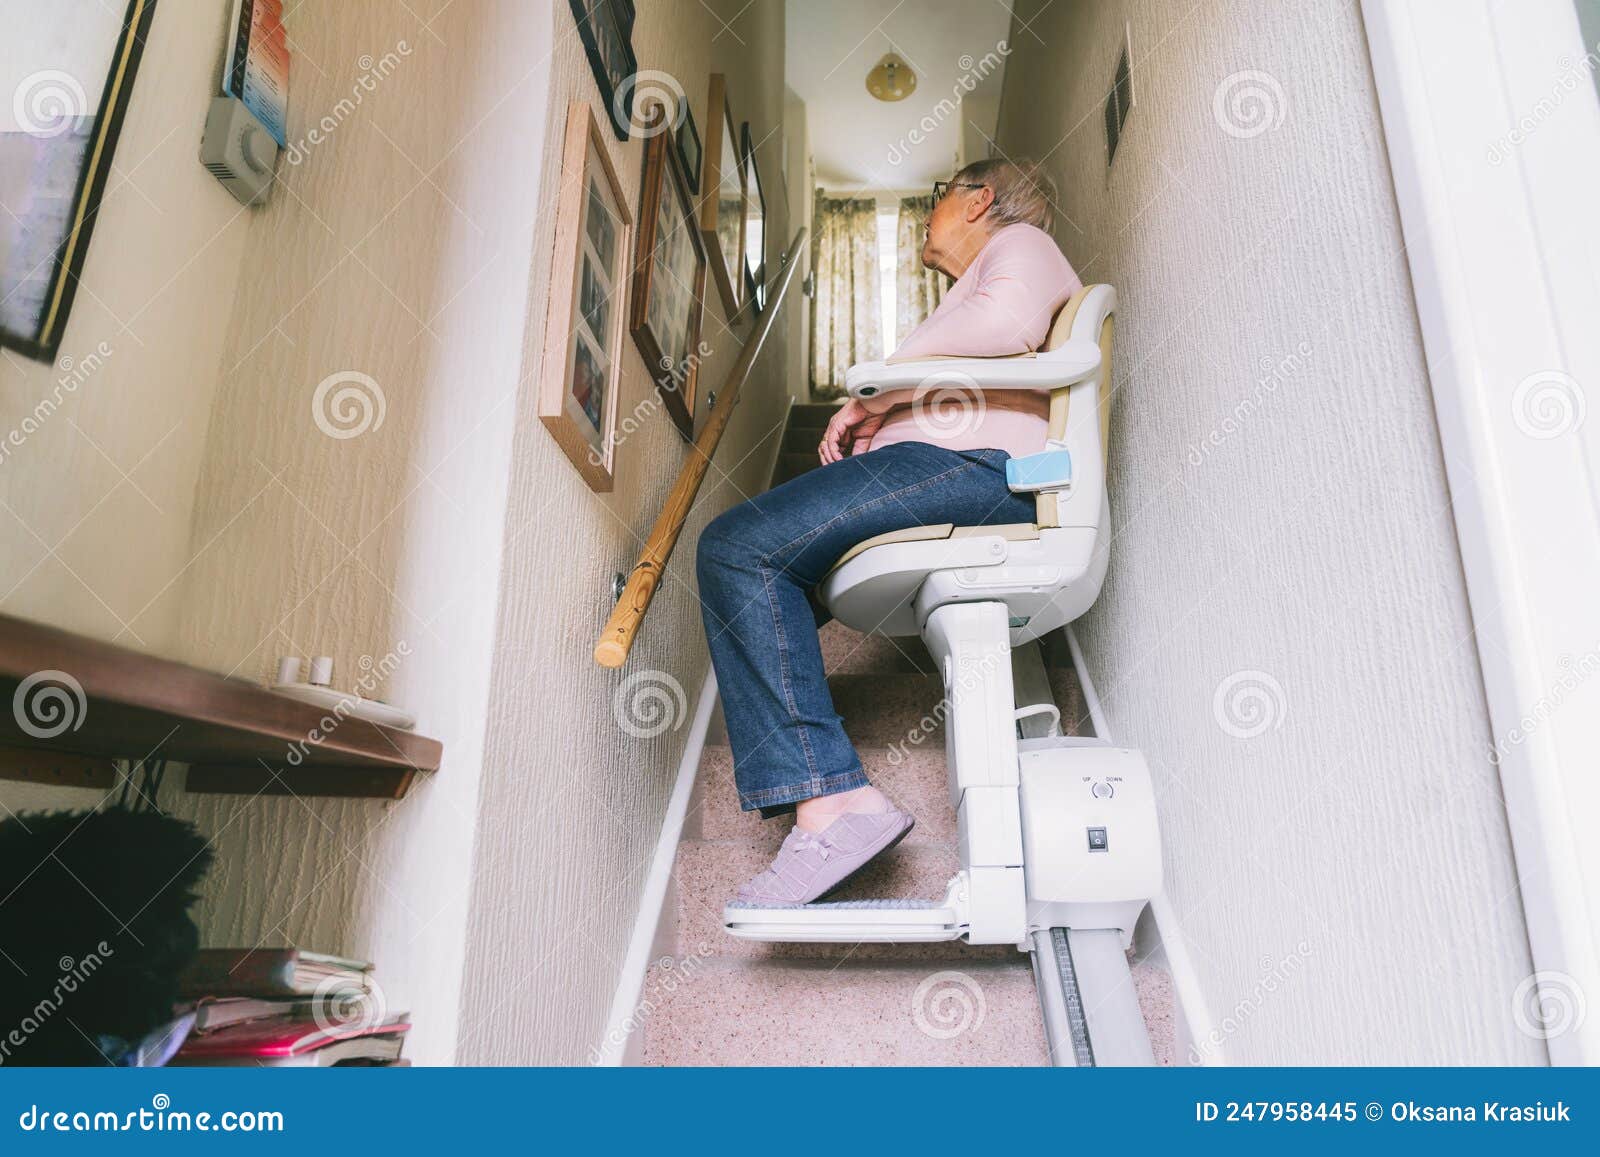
(891, 79)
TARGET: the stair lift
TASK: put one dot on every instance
(1059, 845)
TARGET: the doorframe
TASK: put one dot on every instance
(1496, 162)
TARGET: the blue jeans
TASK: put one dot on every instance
(758, 564)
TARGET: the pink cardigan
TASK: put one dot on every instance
(1003, 304)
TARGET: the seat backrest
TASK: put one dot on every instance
(1062, 329)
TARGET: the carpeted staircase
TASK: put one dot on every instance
(712, 1000)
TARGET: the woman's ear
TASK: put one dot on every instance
(982, 198)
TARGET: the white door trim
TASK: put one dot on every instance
(1494, 140)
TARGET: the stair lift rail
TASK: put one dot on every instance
(616, 640)
(1058, 840)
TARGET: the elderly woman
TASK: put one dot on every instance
(888, 464)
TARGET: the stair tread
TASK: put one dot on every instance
(914, 777)
(800, 1013)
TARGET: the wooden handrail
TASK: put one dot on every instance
(623, 626)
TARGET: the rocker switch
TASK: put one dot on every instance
(1097, 840)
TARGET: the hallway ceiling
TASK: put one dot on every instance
(860, 142)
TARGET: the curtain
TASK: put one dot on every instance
(847, 304)
(917, 289)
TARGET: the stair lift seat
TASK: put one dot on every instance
(1053, 830)
(1047, 572)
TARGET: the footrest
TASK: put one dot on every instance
(848, 921)
(853, 921)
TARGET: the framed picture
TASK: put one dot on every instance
(606, 29)
(67, 70)
(722, 199)
(755, 224)
(689, 147)
(669, 282)
(583, 329)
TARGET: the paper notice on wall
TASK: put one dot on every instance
(257, 68)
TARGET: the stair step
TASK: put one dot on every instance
(791, 1013)
(802, 439)
(708, 872)
(891, 709)
(914, 778)
(849, 652)
(816, 414)
(793, 463)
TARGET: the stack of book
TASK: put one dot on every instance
(282, 1006)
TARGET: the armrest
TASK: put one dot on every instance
(1073, 361)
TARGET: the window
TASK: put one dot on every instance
(888, 225)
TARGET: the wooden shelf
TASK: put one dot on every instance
(236, 736)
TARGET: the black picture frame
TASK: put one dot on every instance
(755, 271)
(44, 339)
(689, 147)
(606, 29)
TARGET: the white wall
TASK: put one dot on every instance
(577, 772)
(1284, 630)
(396, 248)
(410, 244)
(95, 505)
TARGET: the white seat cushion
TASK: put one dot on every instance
(1011, 531)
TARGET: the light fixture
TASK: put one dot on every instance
(891, 79)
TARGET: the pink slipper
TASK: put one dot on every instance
(810, 865)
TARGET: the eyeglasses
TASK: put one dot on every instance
(940, 188)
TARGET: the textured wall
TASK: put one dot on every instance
(572, 799)
(1284, 629)
(95, 506)
(397, 247)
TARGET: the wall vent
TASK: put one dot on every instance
(1120, 99)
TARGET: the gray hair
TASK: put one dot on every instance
(1023, 191)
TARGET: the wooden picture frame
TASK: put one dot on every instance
(61, 155)
(722, 198)
(669, 281)
(754, 233)
(606, 29)
(579, 374)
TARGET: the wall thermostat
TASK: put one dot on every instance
(238, 150)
